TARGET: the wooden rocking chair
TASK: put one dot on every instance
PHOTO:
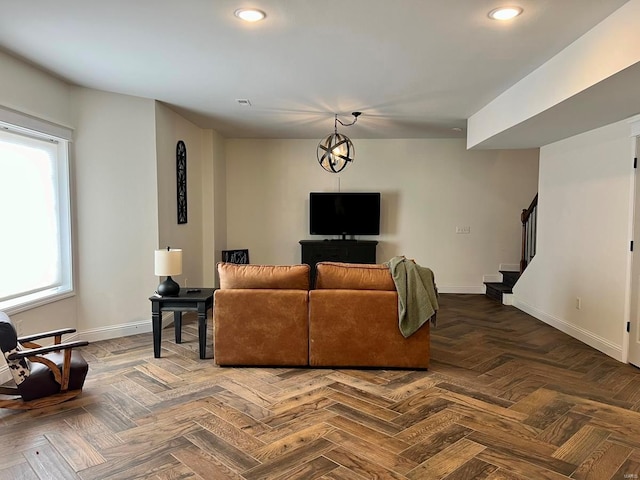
(43, 376)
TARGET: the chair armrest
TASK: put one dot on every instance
(52, 333)
(29, 352)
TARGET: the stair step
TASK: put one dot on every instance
(509, 277)
(501, 287)
(496, 290)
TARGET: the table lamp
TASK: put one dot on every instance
(168, 262)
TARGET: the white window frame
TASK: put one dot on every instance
(31, 127)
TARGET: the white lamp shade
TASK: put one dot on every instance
(168, 262)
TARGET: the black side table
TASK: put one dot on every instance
(189, 300)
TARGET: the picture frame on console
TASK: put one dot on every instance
(240, 256)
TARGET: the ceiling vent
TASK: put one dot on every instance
(244, 102)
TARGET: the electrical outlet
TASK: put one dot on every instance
(466, 229)
(578, 303)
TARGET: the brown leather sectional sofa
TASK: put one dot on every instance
(267, 315)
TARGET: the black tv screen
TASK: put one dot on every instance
(345, 213)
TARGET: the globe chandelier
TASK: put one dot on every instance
(336, 150)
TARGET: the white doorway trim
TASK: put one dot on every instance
(631, 348)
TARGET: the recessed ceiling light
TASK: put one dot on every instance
(250, 14)
(505, 13)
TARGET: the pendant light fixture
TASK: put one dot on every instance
(336, 151)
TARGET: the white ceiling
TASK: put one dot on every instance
(415, 68)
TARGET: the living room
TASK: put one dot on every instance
(132, 203)
(127, 210)
(566, 131)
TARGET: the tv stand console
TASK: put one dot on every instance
(347, 251)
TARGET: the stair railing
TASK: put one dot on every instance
(529, 221)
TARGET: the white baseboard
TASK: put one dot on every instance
(117, 331)
(112, 331)
(507, 298)
(601, 344)
(479, 289)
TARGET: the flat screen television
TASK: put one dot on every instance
(344, 213)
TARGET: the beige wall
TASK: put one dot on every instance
(34, 92)
(214, 214)
(204, 232)
(116, 205)
(584, 229)
(170, 128)
(428, 188)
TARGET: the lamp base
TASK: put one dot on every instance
(169, 288)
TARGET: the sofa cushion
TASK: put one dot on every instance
(261, 327)
(289, 277)
(359, 328)
(353, 276)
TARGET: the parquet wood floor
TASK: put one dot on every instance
(506, 398)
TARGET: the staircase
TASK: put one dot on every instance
(529, 219)
(496, 290)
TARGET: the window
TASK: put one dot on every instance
(35, 227)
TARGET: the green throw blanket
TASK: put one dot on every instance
(417, 294)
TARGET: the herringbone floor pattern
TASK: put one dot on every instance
(506, 397)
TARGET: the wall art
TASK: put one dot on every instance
(181, 181)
